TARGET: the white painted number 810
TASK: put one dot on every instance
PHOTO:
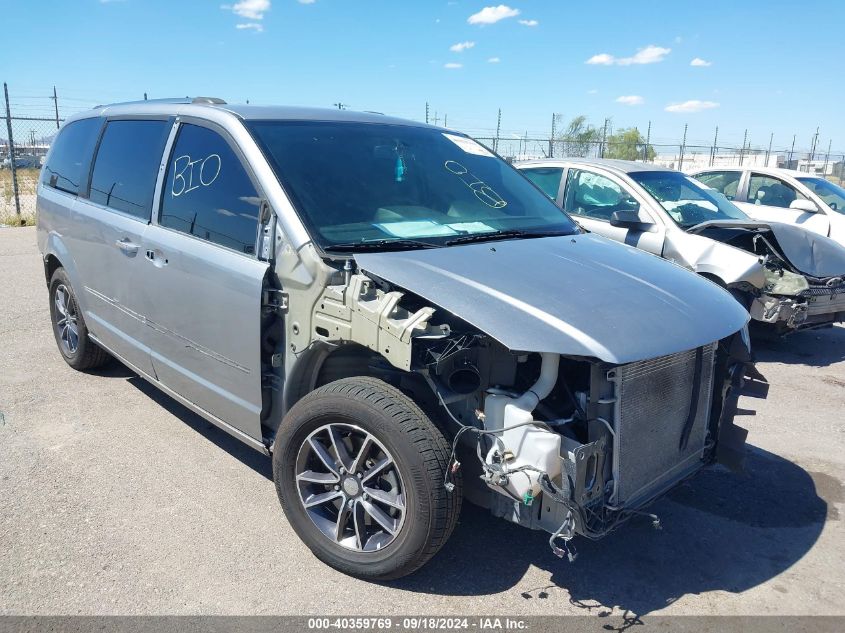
(183, 173)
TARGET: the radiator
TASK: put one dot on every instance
(652, 408)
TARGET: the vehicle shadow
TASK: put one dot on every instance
(721, 531)
(250, 457)
(816, 348)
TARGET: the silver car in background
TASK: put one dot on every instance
(784, 275)
(394, 314)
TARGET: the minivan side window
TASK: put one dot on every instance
(126, 165)
(726, 182)
(71, 154)
(546, 178)
(595, 196)
(208, 193)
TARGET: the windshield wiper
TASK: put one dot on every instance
(504, 235)
(379, 245)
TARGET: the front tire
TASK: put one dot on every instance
(359, 470)
(76, 347)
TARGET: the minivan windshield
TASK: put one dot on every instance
(379, 185)
(833, 195)
(685, 200)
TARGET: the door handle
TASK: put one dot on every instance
(130, 248)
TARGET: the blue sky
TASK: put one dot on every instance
(768, 66)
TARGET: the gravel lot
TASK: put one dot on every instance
(114, 499)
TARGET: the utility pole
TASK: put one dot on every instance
(715, 147)
(32, 137)
(436, 118)
(683, 149)
(12, 153)
(552, 137)
(445, 118)
(145, 96)
(426, 112)
(498, 130)
(56, 105)
(769, 151)
(647, 143)
(742, 151)
(341, 106)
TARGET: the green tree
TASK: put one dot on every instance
(577, 138)
(628, 144)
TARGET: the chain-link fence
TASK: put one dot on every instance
(30, 127)
(674, 156)
(24, 142)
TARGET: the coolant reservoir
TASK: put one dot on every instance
(527, 445)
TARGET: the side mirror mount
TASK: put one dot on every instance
(629, 220)
(807, 206)
(266, 232)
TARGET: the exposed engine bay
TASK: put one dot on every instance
(567, 444)
(805, 282)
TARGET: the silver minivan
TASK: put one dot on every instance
(391, 311)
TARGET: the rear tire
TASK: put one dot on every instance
(76, 347)
(387, 511)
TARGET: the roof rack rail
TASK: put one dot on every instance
(206, 100)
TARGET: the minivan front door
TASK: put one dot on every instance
(202, 288)
(108, 233)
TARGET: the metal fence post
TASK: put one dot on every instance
(683, 148)
(498, 130)
(56, 104)
(12, 153)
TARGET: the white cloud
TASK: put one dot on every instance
(493, 60)
(529, 22)
(592, 92)
(602, 59)
(452, 65)
(306, 1)
(699, 62)
(693, 105)
(461, 47)
(254, 26)
(649, 55)
(630, 100)
(491, 15)
(249, 9)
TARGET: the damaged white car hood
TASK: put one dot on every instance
(808, 252)
(579, 295)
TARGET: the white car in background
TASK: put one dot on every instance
(782, 195)
(784, 275)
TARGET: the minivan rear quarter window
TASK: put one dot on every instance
(208, 193)
(71, 155)
(127, 164)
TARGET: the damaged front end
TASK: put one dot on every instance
(588, 445)
(804, 273)
(555, 424)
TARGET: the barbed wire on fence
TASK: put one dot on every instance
(32, 121)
